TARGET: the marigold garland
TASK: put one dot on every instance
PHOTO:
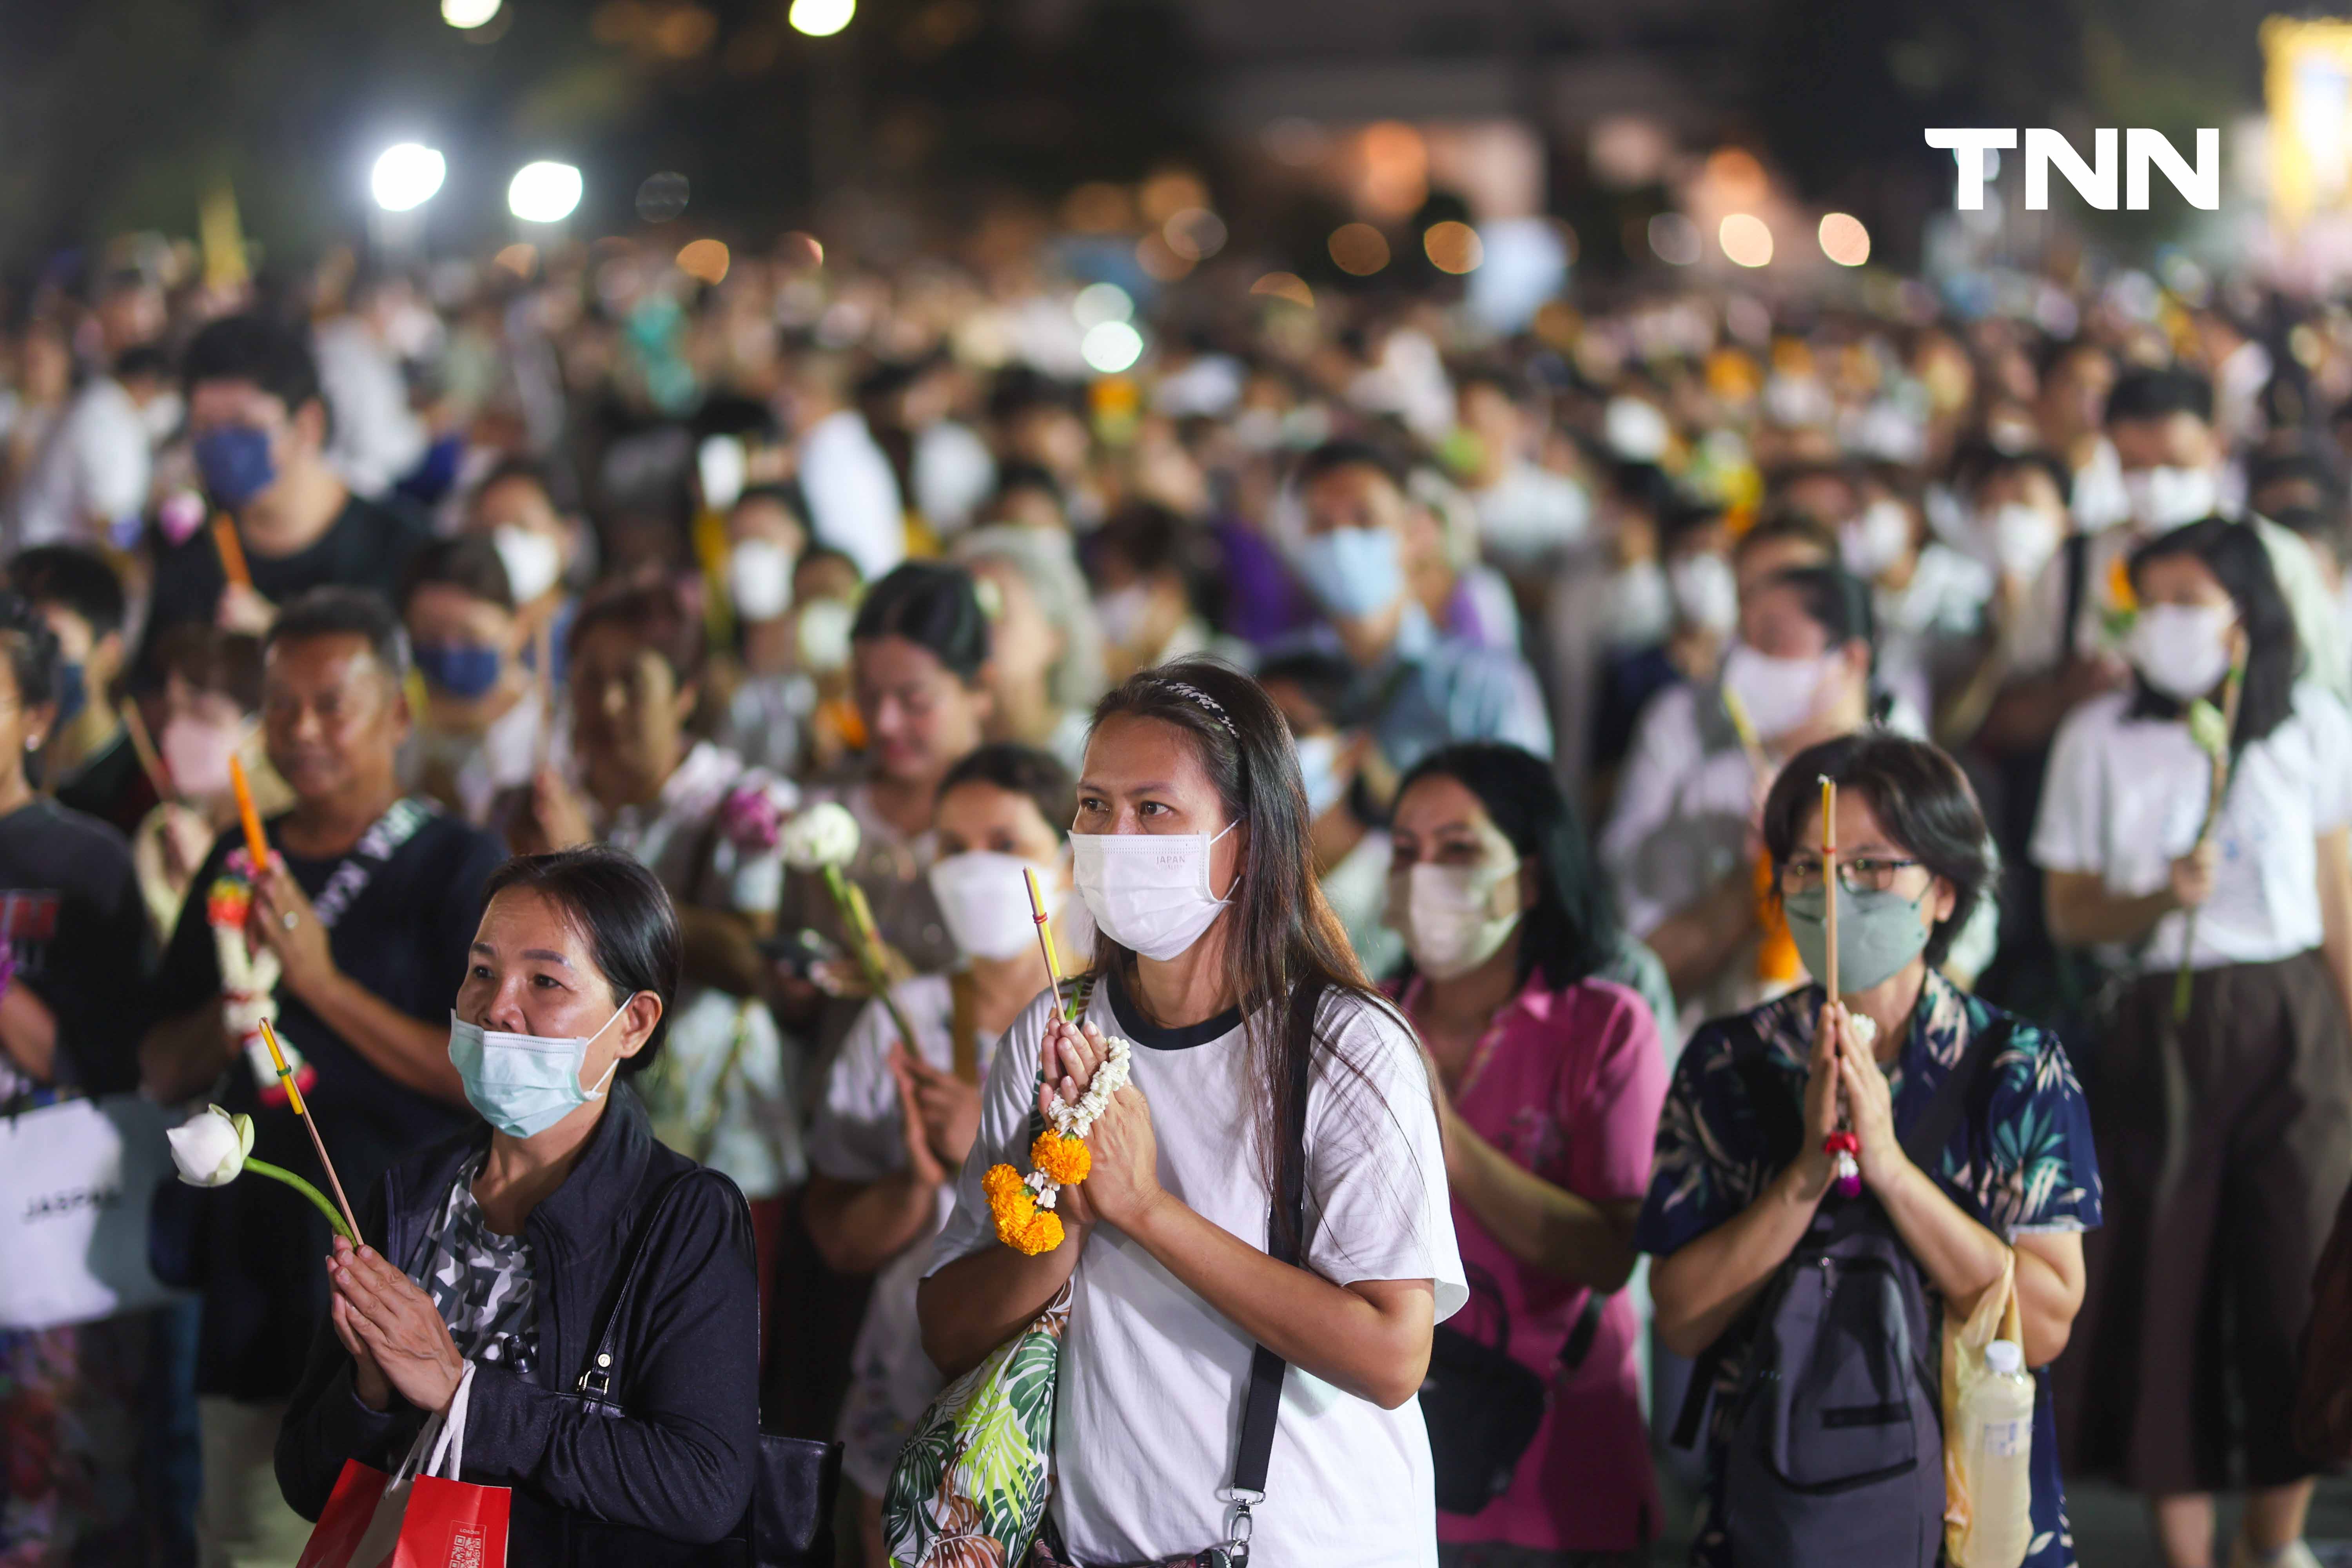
(1023, 1206)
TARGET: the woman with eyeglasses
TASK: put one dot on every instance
(2226, 1125)
(1741, 1171)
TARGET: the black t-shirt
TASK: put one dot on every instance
(406, 939)
(70, 913)
(366, 546)
(111, 786)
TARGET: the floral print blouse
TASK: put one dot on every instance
(2021, 1161)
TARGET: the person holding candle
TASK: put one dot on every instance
(503, 1246)
(1221, 962)
(2017, 1178)
(365, 902)
(899, 1116)
(2225, 1128)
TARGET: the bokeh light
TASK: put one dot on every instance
(519, 258)
(704, 260)
(1170, 192)
(662, 196)
(406, 176)
(470, 14)
(1453, 246)
(800, 251)
(1288, 285)
(1674, 239)
(1843, 240)
(821, 19)
(1746, 238)
(1194, 233)
(1098, 207)
(543, 192)
(1359, 248)
(1110, 347)
(1099, 303)
(1160, 262)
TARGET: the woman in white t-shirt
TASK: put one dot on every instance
(1221, 961)
(898, 1119)
(2226, 1133)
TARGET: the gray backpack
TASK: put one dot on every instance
(1835, 1449)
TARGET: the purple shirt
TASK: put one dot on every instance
(1567, 1084)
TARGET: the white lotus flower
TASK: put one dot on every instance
(824, 834)
(210, 1146)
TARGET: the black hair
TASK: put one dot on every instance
(525, 470)
(1152, 538)
(1287, 954)
(2159, 394)
(1020, 770)
(785, 493)
(272, 356)
(817, 552)
(32, 647)
(334, 611)
(1918, 794)
(1020, 389)
(933, 605)
(2303, 461)
(73, 578)
(1796, 526)
(2321, 528)
(653, 612)
(1571, 932)
(467, 561)
(625, 913)
(1327, 679)
(1018, 476)
(1978, 463)
(1833, 599)
(730, 414)
(209, 659)
(2240, 563)
(143, 359)
(1332, 456)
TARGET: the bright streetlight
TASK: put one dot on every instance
(470, 14)
(821, 19)
(406, 176)
(543, 192)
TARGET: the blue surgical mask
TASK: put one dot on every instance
(1354, 571)
(466, 670)
(73, 691)
(236, 464)
(523, 1084)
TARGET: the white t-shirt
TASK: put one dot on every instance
(92, 471)
(856, 1137)
(1147, 1407)
(2125, 796)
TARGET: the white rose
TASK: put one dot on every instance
(824, 834)
(210, 1146)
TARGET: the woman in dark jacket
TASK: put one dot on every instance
(503, 1246)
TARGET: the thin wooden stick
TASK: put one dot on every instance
(1829, 879)
(232, 551)
(294, 1096)
(1045, 932)
(255, 845)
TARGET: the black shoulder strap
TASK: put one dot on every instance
(1264, 1406)
(2078, 585)
(596, 1381)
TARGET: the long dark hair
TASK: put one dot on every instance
(1287, 952)
(1571, 932)
(2240, 563)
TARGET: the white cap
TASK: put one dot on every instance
(2006, 1357)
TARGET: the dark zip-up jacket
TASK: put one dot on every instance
(678, 1463)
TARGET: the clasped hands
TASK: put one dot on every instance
(397, 1340)
(1845, 1069)
(1123, 1183)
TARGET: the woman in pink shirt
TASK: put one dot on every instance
(1521, 987)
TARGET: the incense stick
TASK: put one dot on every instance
(1830, 880)
(255, 845)
(294, 1096)
(1045, 932)
(232, 551)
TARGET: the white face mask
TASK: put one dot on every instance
(525, 1084)
(760, 579)
(1149, 892)
(1318, 768)
(985, 898)
(1876, 540)
(1640, 610)
(824, 639)
(1455, 918)
(1122, 613)
(2182, 650)
(1706, 592)
(2023, 538)
(2167, 498)
(1778, 694)
(533, 561)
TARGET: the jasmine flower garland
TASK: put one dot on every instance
(1024, 1205)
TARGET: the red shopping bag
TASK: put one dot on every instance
(420, 1516)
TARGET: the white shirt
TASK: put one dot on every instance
(2124, 798)
(856, 1137)
(1530, 513)
(92, 469)
(1147, 1407)
(852, 495)
(1357, 890)
(953, 471)
(377, 440)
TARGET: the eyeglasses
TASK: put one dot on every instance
(1863, 874)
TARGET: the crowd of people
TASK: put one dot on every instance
(1473, 693)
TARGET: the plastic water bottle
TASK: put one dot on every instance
(1997, 1425)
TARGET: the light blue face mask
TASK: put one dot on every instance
(1878, 933)
(524, 1084)
(1354, 571)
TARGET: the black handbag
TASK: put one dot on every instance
(1483, 1406)
(795, 1480)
